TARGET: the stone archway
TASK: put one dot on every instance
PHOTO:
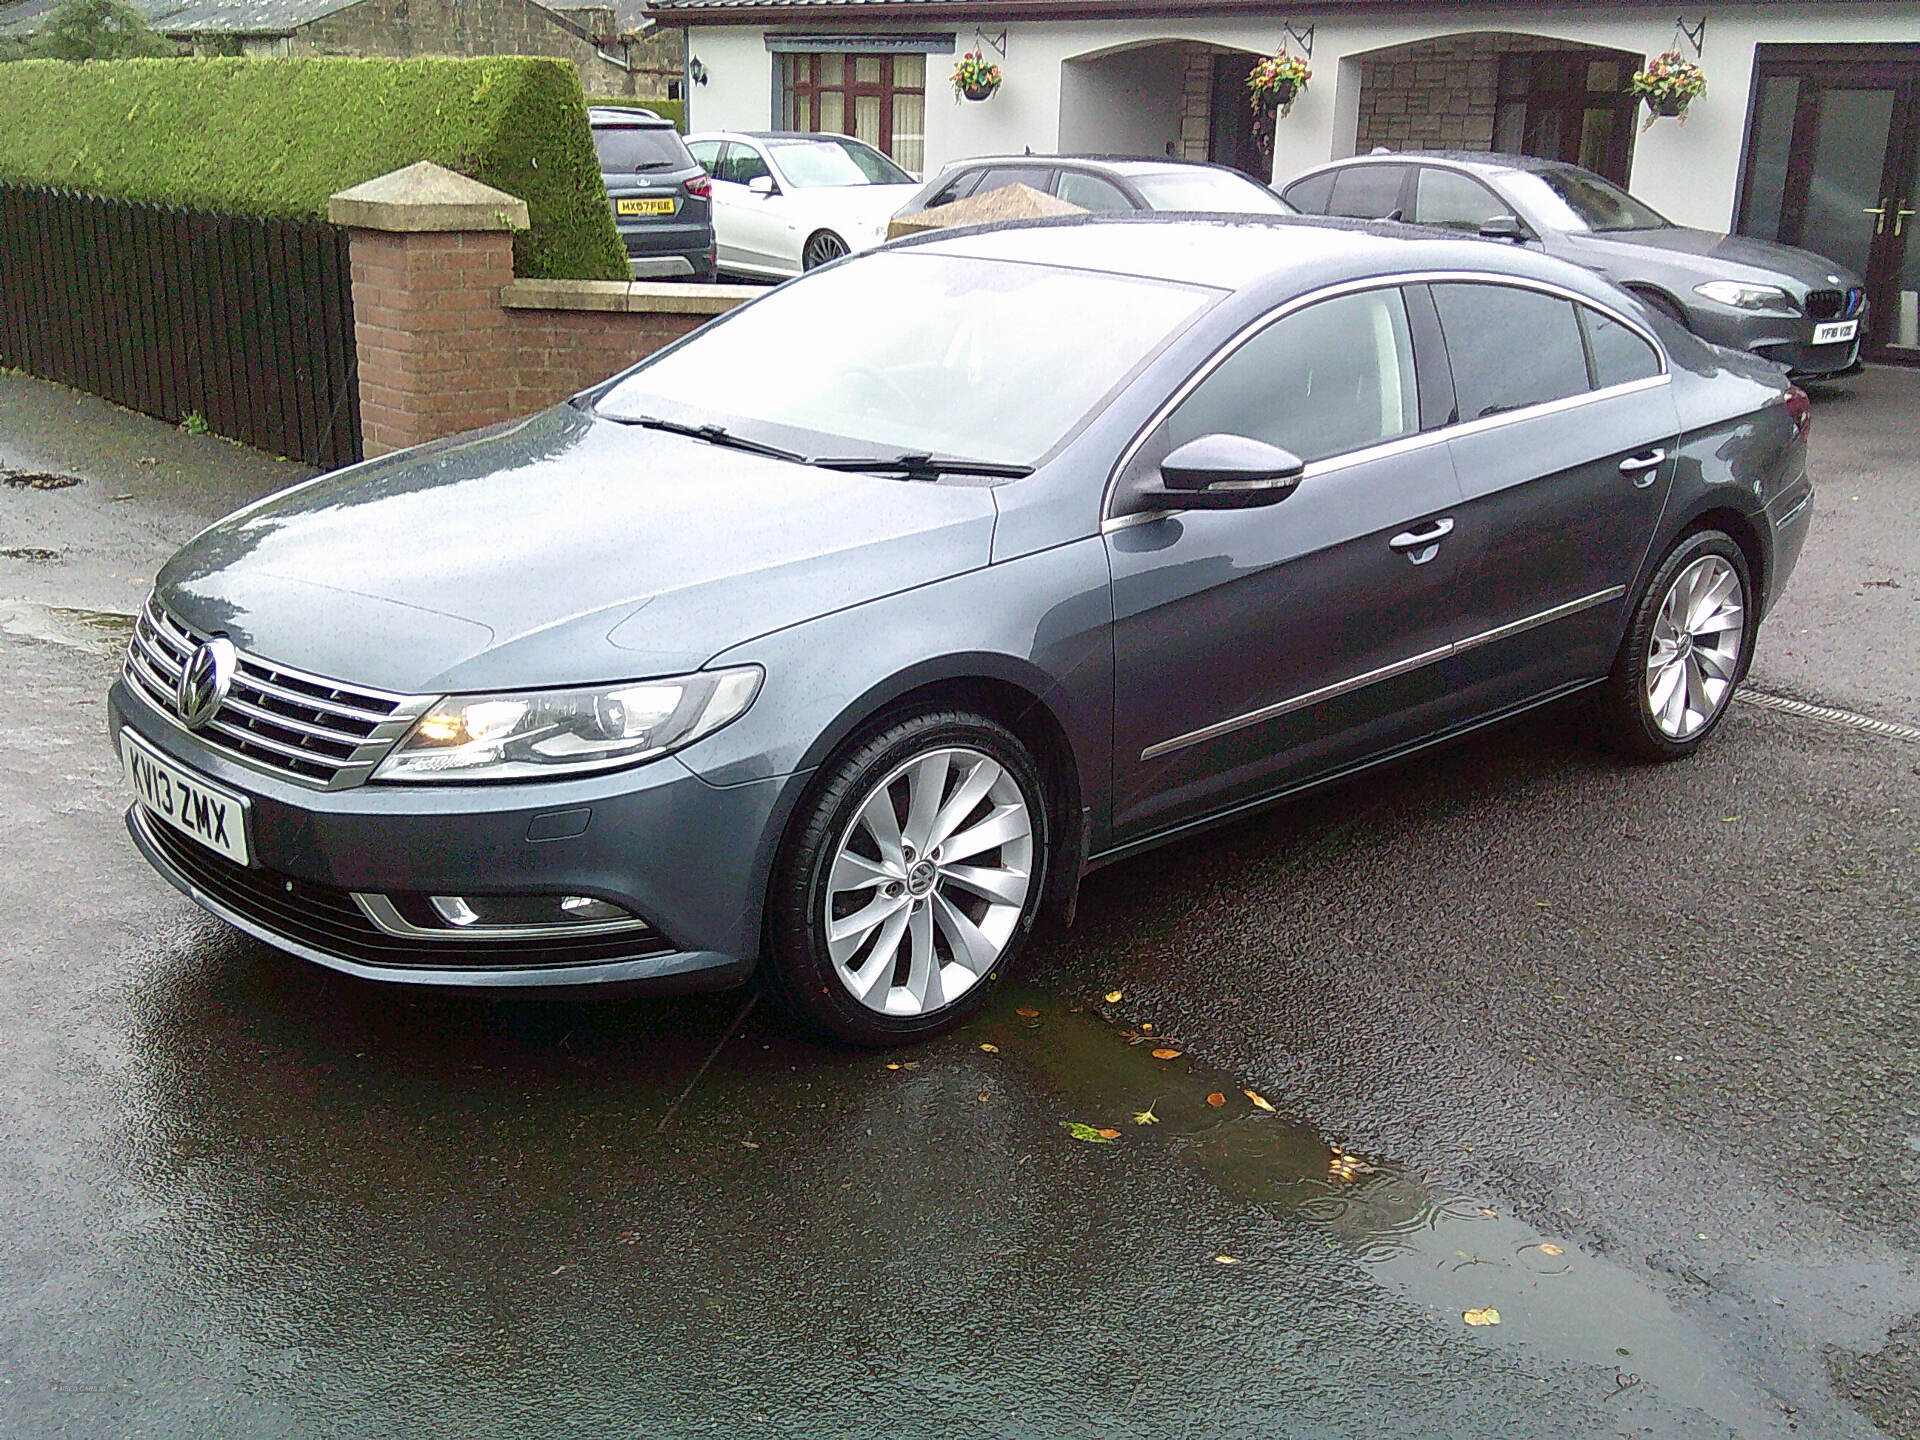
(1177, 99)
(1495, 90)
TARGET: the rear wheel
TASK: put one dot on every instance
(1686, 650)
(911, 880)
(821, 247)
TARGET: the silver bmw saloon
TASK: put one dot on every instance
(832, 645)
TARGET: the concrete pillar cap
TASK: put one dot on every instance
(426, 197)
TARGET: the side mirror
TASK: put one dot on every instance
(1504, 227)
(1226, 472)
(763, 185)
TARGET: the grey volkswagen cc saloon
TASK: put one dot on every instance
(839, 652)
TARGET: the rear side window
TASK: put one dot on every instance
(1090, 192)
(1509, 347)
(995, 176)
(1619, 355)
(636, 149)
(1329, 379)
(707, 152)
(1310, 196)
(1367, 192)
(1453, 200)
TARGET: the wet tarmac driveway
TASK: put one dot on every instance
(246, 1197)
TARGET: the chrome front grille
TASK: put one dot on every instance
(284, 721)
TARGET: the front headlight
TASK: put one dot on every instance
(567, 732)
(1742, 296)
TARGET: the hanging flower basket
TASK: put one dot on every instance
(1276, 82)
(974, 78)
(1669, 84)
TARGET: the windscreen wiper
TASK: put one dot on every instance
(712, 434)
(919, 466)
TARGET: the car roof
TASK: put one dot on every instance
(1121, 164)
(1270, 254)
(613, 115)
(1485, 162)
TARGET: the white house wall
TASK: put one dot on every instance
(1690, 169)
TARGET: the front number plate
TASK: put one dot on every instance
(1834, 331)
(661, 206)
(215, 817)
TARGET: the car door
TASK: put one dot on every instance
(1257, 648)
(750, 227)
(1564, 448)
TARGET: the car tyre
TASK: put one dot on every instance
(1685, 651)
(910, 880)
(822, 248)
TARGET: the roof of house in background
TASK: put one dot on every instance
(844, 12)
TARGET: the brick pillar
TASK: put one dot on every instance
(431, 252)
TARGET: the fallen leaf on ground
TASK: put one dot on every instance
(1551, 1250)
(991, 1049)
(1146, 1116)
(1146, 1026)
(910, 1065)
(983, 1099)
(1226, 1260)
(1216, 1099)
(1027, 1012)
(893, 1065)
(627, 1237)
(1165, 1054)
(557, 1269)
(1489, 1212)
(751, 1144)
(1259, 1100)
(1088, 1133)
(1113, 997)
(1486, 1316)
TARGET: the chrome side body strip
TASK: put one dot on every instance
(1385, 672)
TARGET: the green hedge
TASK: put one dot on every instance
(674, 110)
(277, 137)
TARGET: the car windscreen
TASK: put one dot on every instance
(634, 149)
(911, 352)
(830, 161)
(1214, 190)
(1570, 199)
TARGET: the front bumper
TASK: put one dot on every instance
(1786, 340)
(688, 857)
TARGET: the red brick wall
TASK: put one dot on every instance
(439, 354)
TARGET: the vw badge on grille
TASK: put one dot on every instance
(204, 681)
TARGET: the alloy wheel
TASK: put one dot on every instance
(928, 882)
(1693, 653)
(821, 248)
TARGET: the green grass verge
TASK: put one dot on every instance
(278, 137)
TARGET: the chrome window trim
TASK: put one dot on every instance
(1384, 672)
(1402, 443)
(384, 915)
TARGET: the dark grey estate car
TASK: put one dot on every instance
(662, 199)
(1092, 532)
(1797, 309)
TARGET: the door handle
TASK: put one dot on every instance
(1901, 216)
(1879, 213)
(1421, 545)
(1642, 467)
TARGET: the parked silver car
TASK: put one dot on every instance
(1793, 307)
(844, 650)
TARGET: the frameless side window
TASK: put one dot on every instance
(742, 165)
(1509, 347)
(1455, 201)
(1310, 196)
(1091, 193)
(1367, 192)
(1334, 377)
(1619, 355)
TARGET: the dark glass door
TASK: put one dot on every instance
(1833, 153)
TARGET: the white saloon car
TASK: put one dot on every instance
(786, 201)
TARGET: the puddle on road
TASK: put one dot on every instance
(1448, 1253)
(98, 632)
